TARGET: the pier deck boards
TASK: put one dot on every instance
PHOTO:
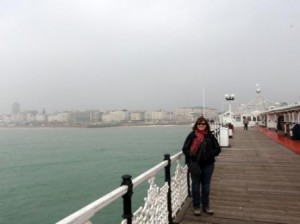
(256, 181)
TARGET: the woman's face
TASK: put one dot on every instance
(201, 125)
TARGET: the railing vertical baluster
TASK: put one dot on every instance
(168, 179)
(188, 180)
(188, 184)
(127, 209)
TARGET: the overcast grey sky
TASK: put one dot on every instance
(146, 54)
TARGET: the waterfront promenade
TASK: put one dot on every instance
(256, 181)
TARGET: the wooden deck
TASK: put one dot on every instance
(255, 181)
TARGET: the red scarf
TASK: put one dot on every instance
(197, 141)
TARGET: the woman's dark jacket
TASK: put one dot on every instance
(209, 148)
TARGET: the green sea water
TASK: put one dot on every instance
(49, 173)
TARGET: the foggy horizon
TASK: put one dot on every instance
(147, 55)
(224, 106)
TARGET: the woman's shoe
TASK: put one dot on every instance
(208, 211)
(197, 211)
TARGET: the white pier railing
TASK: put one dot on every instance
(161, 203)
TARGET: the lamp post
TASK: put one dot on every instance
(230, 97)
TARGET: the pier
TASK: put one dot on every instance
(256, 180)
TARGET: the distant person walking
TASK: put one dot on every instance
(200, 149)
(245, 122)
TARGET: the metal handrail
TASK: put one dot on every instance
(151, 172)
(83, 215)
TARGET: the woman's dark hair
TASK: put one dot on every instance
(199, 120)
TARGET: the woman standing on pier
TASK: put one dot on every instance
(201, 146)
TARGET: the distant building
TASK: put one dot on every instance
(283, 118)
(115, 116)
(137, 116)
(64, 117)
(119, 115)
(190, 114)
(105, 117)
(18, 119)
(81, 117)
(170, 116)
(250, 110)
(155, 115)
(95, 116)
(15, 108)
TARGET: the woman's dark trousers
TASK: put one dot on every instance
(203, 180)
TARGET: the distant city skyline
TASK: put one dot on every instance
(16, 108)
(223, 106)
(96, 118)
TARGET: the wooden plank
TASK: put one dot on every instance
(256, 181)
